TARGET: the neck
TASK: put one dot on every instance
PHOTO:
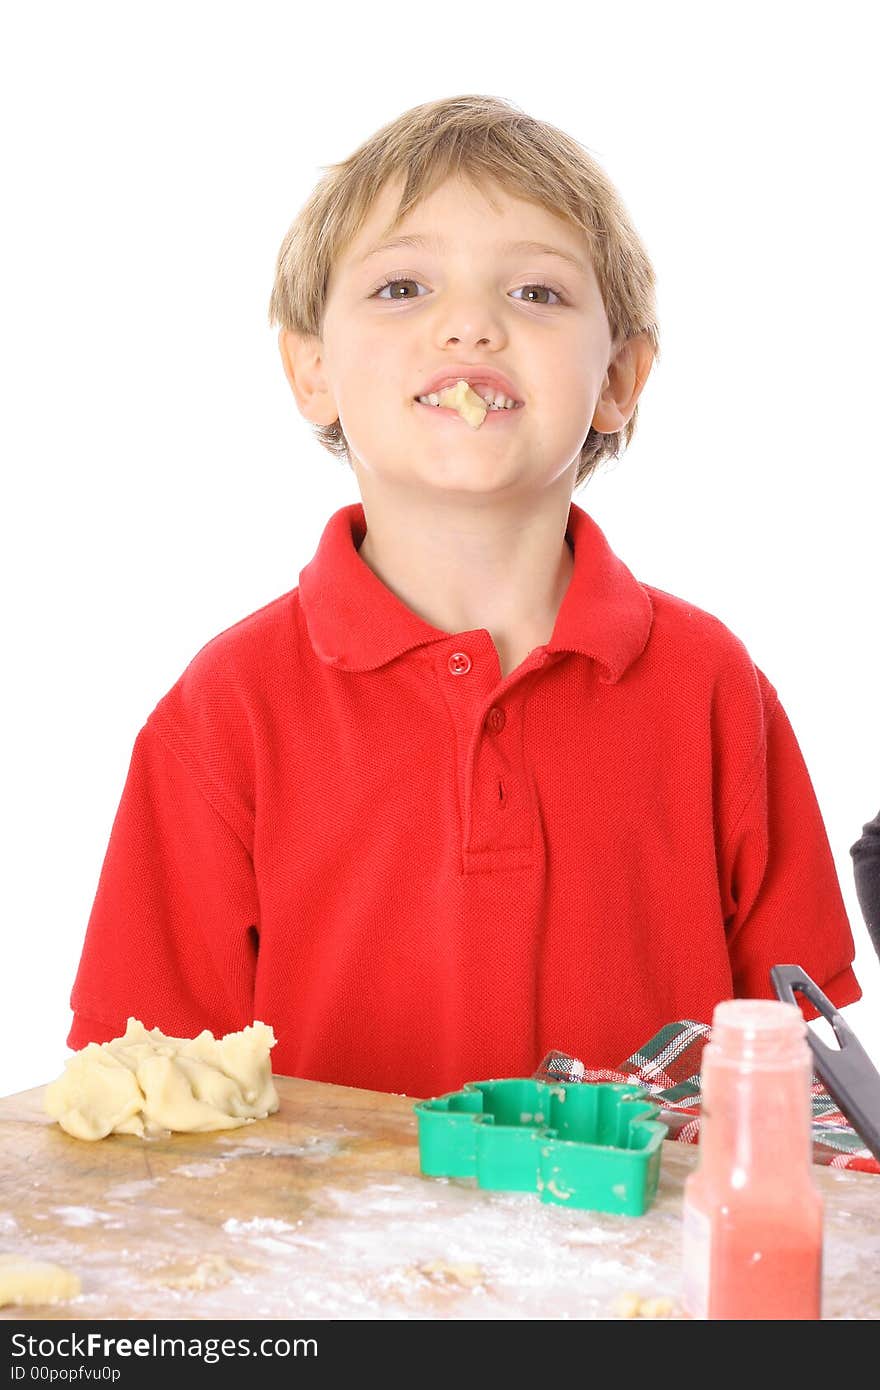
(502, 568)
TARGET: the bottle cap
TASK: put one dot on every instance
(759, 1031)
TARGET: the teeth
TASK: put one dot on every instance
(496, 400)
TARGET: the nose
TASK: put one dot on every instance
(466, 317)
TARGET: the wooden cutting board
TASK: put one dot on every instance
(319, 1211)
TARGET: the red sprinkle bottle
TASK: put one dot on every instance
(752, 1211)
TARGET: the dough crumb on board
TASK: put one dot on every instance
(201, 1273)
(26, 1282)
(632, 1305)
(465, 1276)
(146, 1083)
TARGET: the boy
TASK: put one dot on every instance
(471, 791)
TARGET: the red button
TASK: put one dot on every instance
(496, 719)
(459, 663)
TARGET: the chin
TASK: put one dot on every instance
(466, 480)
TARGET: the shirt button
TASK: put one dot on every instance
(459, 663)
(497, 719)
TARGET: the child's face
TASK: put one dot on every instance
(468, 301)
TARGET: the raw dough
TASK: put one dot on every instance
(466, 1276)
(632, 1305)
(461, 397)
(145, 1082)
(26, 1281)
(444, 1277)
(201, 1274)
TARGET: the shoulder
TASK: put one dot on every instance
(250, 640)
(705, 655)
(717, 699)
(221, 709)
(688, 634)
(234, 665)
(687, 627)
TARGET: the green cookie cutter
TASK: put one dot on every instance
(578, 1144)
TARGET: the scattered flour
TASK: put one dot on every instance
(81, 1216)
(601, 1235)
(124, 1190)
(258, 1223)
(315, 1148)
(426, 1246)
(355, 1205)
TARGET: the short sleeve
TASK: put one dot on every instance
(172, 936)
(780, 892)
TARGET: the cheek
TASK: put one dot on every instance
(371, 366)
(567, 373)
(566, 402)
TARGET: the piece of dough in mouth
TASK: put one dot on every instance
(145, 1083)
(463, 398)
(26, 1282)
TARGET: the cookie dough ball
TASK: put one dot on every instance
(146, 1082)
(25, 1282)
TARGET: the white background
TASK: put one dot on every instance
(159, 483)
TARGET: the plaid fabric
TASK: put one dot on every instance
(668, 1067)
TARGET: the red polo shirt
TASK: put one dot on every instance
(343, 822)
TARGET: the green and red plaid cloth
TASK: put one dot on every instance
(668, 1067)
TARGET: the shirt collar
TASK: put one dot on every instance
(356, 623)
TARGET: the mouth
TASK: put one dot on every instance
(496, 401)
(494, 415)
(474, 403)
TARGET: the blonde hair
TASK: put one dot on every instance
(488, 140)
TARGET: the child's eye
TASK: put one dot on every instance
(389, 283)
(541, 286)
(538, 285)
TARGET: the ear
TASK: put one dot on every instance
(627, 373)
(302, 359)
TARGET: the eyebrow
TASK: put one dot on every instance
(539, 248)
